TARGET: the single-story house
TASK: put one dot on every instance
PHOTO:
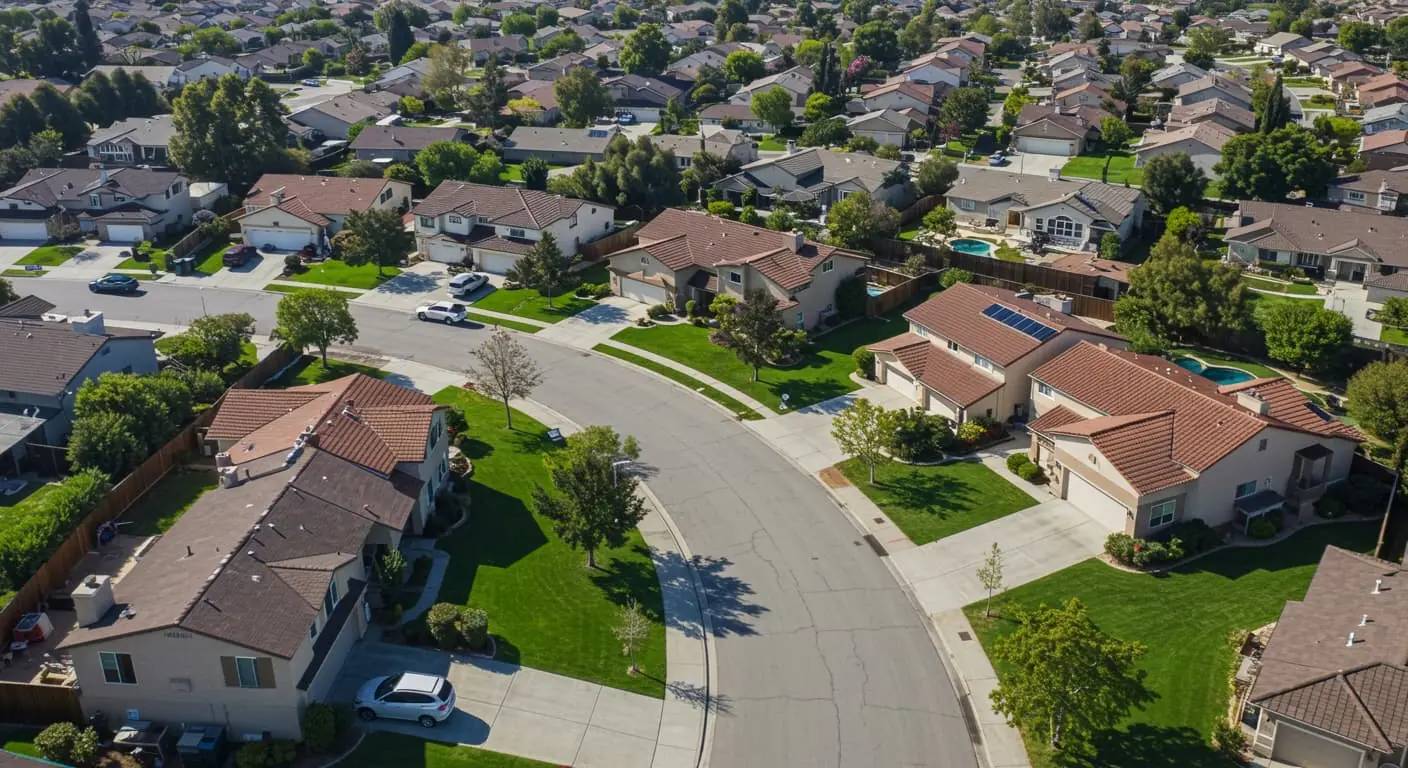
(739, 115)
(1069, 213)
(1224, 113)
(286, 212)
(1340, 245)
(1279, 44)
(399, 143)
(1214, 87)
(818, 175)
(722, 142)
(558, 146)
(885, 126)
(334, 116)
(1201, 142)
(1385, 149)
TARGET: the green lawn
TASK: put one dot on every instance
(22, 502)
(1393, 335)
(487, 320)
(333, 272)
(931, 503)
(1303, 82)
(157, 256)
(910, 233)
(1183, 619)
(1224, 360)
(772, 144)
(514, 171)
(735, 407)
(208, 258)
(24, 273)
(1297, 289)
(823, 373)
(526, 302)
(1213, 190)
(1091, 166)
(19, 740)
(547, 610)
(164, 504)
(382, 749)
(283, 288)
(310, 370)
(50, 255)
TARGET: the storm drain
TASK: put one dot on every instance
(875, 545)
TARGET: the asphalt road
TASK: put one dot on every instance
(822, 660)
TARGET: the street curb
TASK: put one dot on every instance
(663, 378)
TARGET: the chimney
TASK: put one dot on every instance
(1253, 402)
(277, 196)
(791, 147)
(102, 175)
(92, 599)
(90, 325)
(799, 241)
(223, 460)
(229, 477)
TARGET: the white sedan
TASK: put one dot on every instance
(446, 312)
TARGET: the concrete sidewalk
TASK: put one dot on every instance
(701, 377)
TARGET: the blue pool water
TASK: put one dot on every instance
(1214, 373)
(972, 247)
(875, 290)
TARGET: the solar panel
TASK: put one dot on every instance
(1019, 322)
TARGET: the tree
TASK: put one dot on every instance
(773, 106)
(824, 133)
(636, 173)
(519, 24)
(858, 220)
(1208, 41)
(1396, 36)
(1271, 166)
(935, 175)
(990, 576)
(1340, 132)
(941, 221)
(863, 431)
(315, 318)
(106, 441)
(743, 66)
(877, 40)
(1305, 335)
(1049, 19)
(215, 41)
(1176, 292)
(441, 160)
(544, 268)
(545, 16)
(377, 235)
(7, 292)
(1090, 27)
(211, 342)
(582, 97)
(564, 42)
(504, 370)
(448, 73)
(1275, 109)
(819, 107)
(1114, 131)
(60, 115)
(593, 503)
(646, 51)
(624, 17)
(1066, 679)
(89, 47)
(1110, 246)
(1378, 400)
(967, 106)
(535, 173)
(633, 629)
(1172, 180)
(1185, 225)
(1359, 37)
(752, 329)
(230, 131)
(399, 36)
(730, 12)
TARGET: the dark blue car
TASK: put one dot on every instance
(114, 283)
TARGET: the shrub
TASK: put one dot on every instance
(320, 726)
(455, 422)
(657, 311)
(1331, 506)
(601, 291)
(292, 263)
(473, 626)
(850, 297)
(392, 568)
(1120, 547)
(1229, 739)
(206, 386)
(722, 208)
(1194, 534)
(29, 537)
(954, 275)
(441, 620)
(691, 308)
(266, 754)
(63, 743)
(1016, 461)
(971, 432)
(1262, 528)
(1032, 473)
(918, 436)
(865, 362)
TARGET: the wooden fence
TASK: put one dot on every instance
(39, 705)
(900, 288)
(921, 207)
(596, 250)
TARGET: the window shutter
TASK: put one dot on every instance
(264, 667)
(232, 677)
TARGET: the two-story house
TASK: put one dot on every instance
(644, 97)
(124, 205)
(491, 227)
(287, 212)
(1214, 87)
(686, 256)
(796, 81)
(969, 349)
(244, 611)
(1370, 191)
(558, 146)
(1070, 213)
(1391, 117)
(134, 141)
(821, 176)
(1139, 443)
(1335, 244)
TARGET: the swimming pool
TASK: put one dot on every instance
(971, 247)
(875, 289)
(1214, 373)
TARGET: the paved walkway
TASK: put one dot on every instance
(804, 435)
(439, 562)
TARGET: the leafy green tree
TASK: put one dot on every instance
(1305, 335)
(52, 50)
(1378, 401)
(1340, 132)
(1114, 131)
(399, 36)
(1396, 36)
(624, 17)
(442, 160)
(1185, 225)
(730, 12)
(1012, 104)
(1394, 312)
(503, 370)
(535, 173)
(564, 42)
(1177, 292)
(1090, 27)
(447, 74)
(230, 131)
(60, 115)
(581, 97)
(89, 47)
(215, 41)
(360, 169)
(420, 49)
(1110, 246)
(753, 329)
(1359, 36)
(941, 221)
(7, 292)
(743, 66)
(519, 24)
(967, 106)
(1066, 679)
(638, 174)
(863, 431)
(315, 318)
(935, 175)
(1208, 41)
(774, 107)
(1171, 181)
(1271, 166)
(877, 40)
(546, 16)
(594, 502)
(108, 442)
(823, 133)
(819, 107)
(212, 342)
(544, 268)
(646, 51)
(858, 220)
(1049, 19)
(378, 236)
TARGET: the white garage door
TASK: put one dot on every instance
(899, 381)
(1047, 146)
(1302, 748)
(279, 239)
(125, 234)
(23, 230)
(494, 263)
(1094, 502)
(445, 253)
(645, 293)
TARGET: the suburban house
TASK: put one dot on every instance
(399, 143)
(1328, 690)
(897, 95)
(684, 255)
(1201, 142)
(198, 69)
(1346, 76)
(1139, 443)
(818, 175)
(48, 356)
(1234, 118)
(491, 227)
(969, 349)
(721, 142)
(157, 75)
(1214, 87)
(1279, 44)
(1176, 75)
(1071, 213)
(1385, 149)
(124, 205)
(1338, 245)
(644, 97)
(558, 146)
(1053, 130)
(134, 141)
(557, 68)
(797, 81)
(286, 212)
(334, 116)
(738, 115)
(1382, 91)
(1370, 192)
(1088, 95)
(502, 47)
(885, 126)
(244, 611)
(1391, 117)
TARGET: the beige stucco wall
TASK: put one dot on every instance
(432, 471)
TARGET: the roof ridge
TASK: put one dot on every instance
(1221, 404)
(1364, 713)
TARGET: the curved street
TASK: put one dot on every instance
(822, 659)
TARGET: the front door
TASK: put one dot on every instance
(1014, 219)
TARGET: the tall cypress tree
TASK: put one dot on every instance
(399, 36)
(1277, 111)
(88, 45)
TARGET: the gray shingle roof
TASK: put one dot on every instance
(1108, 201)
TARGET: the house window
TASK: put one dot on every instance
(845, 194)
(515, 233)
(1246, 489)
(827, 266)
(1162, 514)
(427, 221)
(386, 194)
(645, 261)
(1262, 445)
(1062, 226)
(735, 277)
(1040, 225)
(455, 219)
(1043, 389)
(968, 205)
(685, 162)
(983, 362)
(330, 599)
(117, 668)
(247, 672)
(1354, 196)
(953, 346)
(94, 201)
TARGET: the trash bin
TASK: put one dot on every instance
(185, 265)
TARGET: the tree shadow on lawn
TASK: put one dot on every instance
(932, 494)
(727, 596)
(1303, 549)
(1145, 746)
(500, 532)
(803, 392)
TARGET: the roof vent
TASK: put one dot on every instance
(1350, 642)
(1364, 620)
(1378, 587)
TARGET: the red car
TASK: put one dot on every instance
(239, 255)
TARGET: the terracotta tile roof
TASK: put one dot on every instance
(956, 314)
(328, 195)
(938, 370)
(1209, 108)
(1382, 139)
(1290, 406)
(1056, 417)
(505, 206)
(1139, 446)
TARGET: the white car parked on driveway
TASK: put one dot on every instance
(465, 283)
(447, 312)
(426, 699)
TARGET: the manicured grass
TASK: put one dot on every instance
(823, 372)
(282, 288)
(50, 255)
(208, 259)
(19, 740)
(514, 171)
(164, 504)
(931, 503)
(24, 273)
(1297, 289)
(1224, 360)
(1303, 82)
(487, 320)
(526, 302)
(23, 502)
(1213, 190)
(310, 370)
(382, 749)
(735, 407)
(547, 610)
(333, 272)
(1320, 101)
(771, 144)
(1120, 170)
(158, 257)
(909, 234)
(1393, 335)
(1183, 619)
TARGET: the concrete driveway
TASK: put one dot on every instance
(592, 326)
(422, 283)
(1352, 300)
(13, 251)
(1033, 164)
(307, 96)
(1035, 542)
(93, 261)
(804, 435)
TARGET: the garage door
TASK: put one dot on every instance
(125, 234)
(494, 263)
(1106, 511)
(1305, 749)
(445, 253)
(279, 239)
(1047, 146)
(23, 230)
(645, 293)
(899, 381)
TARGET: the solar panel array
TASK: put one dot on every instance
(1019, 322)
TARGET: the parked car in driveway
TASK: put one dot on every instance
(426, 699)
(465, 283)
(447, 312)
(239, 255)
(997, 159)
(114, 283)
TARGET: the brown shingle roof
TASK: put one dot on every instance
(402, 137)
(333, 195)
(505, 206)
(42, 358)
(1279, 226)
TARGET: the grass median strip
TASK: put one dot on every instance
(738, 409)
(517, 326)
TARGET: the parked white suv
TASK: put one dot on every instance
(426, 699)
(447, 312)
(465, 283)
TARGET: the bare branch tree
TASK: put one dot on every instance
(633, 631)
(504, 370)
(990, 576)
